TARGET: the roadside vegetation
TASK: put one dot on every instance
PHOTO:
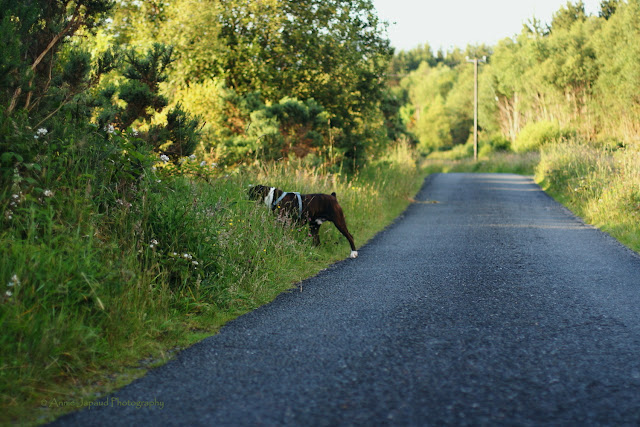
(125, 161)
(558, 101)
(130, 131)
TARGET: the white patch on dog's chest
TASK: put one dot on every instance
(268, 200)
(319, 221)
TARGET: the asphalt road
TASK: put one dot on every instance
(494, 306)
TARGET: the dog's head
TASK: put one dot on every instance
(258, 192)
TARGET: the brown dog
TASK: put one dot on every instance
(311, 208)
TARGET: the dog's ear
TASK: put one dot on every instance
(334, 194)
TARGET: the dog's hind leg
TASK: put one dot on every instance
(315, 229)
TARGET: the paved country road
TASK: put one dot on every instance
(494, 306)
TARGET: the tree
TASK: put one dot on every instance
(332, 51)
(567, 15)
(617, 48)
(433, 128)
(608, 8)
(32, 35)
(404, 62)
(140, 95)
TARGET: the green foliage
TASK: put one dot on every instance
(404, 62)
(608, 8)
(433, 127)
(332, 52)
(616, 46)
(459, 152)
(138, 97)
(290, 127)
(600, 186)
(105, 250)
(439, 104)
(32, 34)
(534, 135)
(568, 15)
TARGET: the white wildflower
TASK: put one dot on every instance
(194, 262)
(123, 203)
(192, 157)
(47, 193)
(214, 165)
(40, 132)
(187, 256)
(110, 129)
(14, 281)
(8, 293)
(15, 196)
(203, 163)
(175, 254)
(164, 158)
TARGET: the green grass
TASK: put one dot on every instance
(108, 276)
(599, 185)
(494, 162)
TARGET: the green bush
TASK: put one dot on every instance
(536, 134)
(461, 151)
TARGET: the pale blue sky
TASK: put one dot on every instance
(449, 23)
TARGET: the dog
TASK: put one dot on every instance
(313, 209)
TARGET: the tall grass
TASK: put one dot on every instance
(494, 162)
(600, 185)
(100, 271)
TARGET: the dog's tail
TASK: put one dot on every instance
(334, 194)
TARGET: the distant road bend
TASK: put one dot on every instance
(494, 306)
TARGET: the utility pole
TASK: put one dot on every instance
(475, 104)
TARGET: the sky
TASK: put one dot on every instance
(456, 23)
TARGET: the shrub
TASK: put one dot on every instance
(461, 151)
(536, 134)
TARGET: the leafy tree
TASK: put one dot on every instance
(459, 105)
(140, 94)
(289, 128)
(617, 48)
(137, 24)
(32, 34)
(404, 62)
(608, 8)
(331, 51)
(433, 128)
(570, 66)
(567, 15)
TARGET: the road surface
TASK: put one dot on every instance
(493, 306)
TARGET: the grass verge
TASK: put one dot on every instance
(496, 162)
(105, 281)
(601, 186)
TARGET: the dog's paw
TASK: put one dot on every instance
(354, 254)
